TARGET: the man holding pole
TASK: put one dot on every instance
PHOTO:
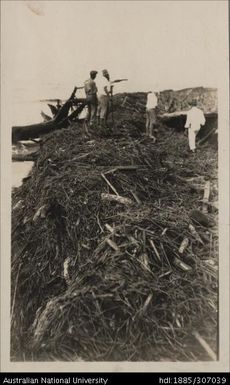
(105, 97)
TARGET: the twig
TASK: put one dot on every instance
(195, 233)
(120, 168)
(112, 244)
(206, 137)
(110, 228)
(66, 270)
(154, 248)
(206, 197)
(109, 184)
(205, 346)
(183, 245)
(135, 197)
(147, 301)
(15, 290)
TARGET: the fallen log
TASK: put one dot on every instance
(61, 120)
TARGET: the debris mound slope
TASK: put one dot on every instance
(98, 268)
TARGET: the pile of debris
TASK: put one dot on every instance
(114, 249)
(172, 108)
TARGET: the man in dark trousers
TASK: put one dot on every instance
(91, 97)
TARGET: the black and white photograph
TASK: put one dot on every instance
(115, 157)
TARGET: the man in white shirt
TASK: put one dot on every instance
(151, 116)
(195, 119)
(104, 92)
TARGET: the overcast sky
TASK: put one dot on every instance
(155, 44)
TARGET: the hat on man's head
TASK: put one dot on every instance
(93, 72)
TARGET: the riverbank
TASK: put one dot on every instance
(20, 170)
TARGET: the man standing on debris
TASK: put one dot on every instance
(195, 119)
(91, 97)
(104, 94)
(151, 115)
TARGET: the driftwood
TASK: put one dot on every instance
(61, 120)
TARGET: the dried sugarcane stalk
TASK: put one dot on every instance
(120, 168)
(41, 212)
(66, 270)
(210, 133)
(116, 198)
(145, 261)
(206, 197)
(205, 346)
(155, 249)
(112, 244)
(15, 291)
(183, 245)
(181, 265)
(195, 233)
(147, 301)
(109, 184)
(110, 228)
(135, 197)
